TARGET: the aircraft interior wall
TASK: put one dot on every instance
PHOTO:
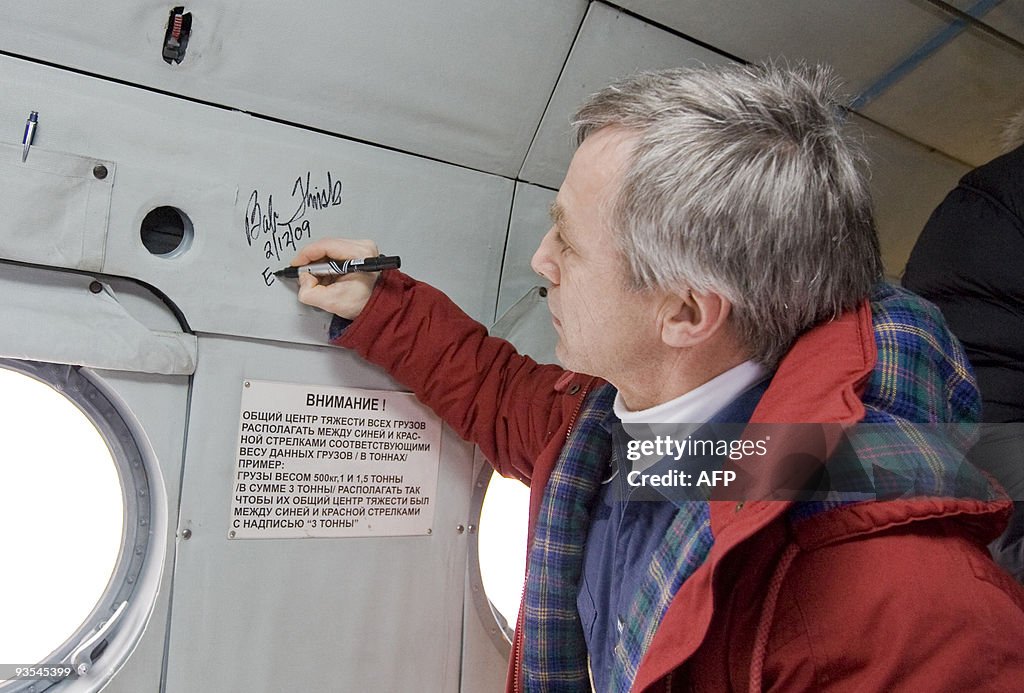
(438, 129)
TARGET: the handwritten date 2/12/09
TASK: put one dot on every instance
(265, 228)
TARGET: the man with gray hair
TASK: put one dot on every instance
(713, 260)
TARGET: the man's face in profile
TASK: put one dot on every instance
(603, 328)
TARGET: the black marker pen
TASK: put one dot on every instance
(332, 268)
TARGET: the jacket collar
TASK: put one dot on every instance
(823, 379)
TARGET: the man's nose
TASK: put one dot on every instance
(543, 261)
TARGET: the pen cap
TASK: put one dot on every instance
(381, 262)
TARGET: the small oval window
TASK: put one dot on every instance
(62, 512)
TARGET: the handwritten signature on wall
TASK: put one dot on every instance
(265, 229)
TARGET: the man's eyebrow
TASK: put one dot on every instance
(557, 214)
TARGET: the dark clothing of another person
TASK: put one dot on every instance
(969, 261)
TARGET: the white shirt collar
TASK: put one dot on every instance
(701, 403)
(683, 415)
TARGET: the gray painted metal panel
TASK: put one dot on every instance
(217, 166)
(611, 45)
(160, 403)
(111, 337)
(528, 326)
(380, 614)
(464, 81)
(529, 223)
(908, 180)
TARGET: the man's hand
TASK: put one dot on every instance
(345, 296)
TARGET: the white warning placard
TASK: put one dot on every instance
(317, 461)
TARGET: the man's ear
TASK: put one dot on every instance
(690, 318)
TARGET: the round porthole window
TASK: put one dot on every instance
(498, 556)
(75, 518)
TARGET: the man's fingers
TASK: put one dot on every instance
(330, 297)
(307, 281)
(345, 296)
(335, 249)
(312, 293)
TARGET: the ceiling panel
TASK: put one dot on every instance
(860, 39)
(953, 98)
(466, 84)
(611, 45)
(1007, 17)
(958, 98)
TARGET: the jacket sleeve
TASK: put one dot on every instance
(486, 391)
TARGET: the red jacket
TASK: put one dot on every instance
(897, 595)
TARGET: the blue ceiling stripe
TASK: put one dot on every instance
(908, 64)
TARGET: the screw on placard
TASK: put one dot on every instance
(460, 529)
(95, 287)
(472, 529)
(186, 534)
(99, 171)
